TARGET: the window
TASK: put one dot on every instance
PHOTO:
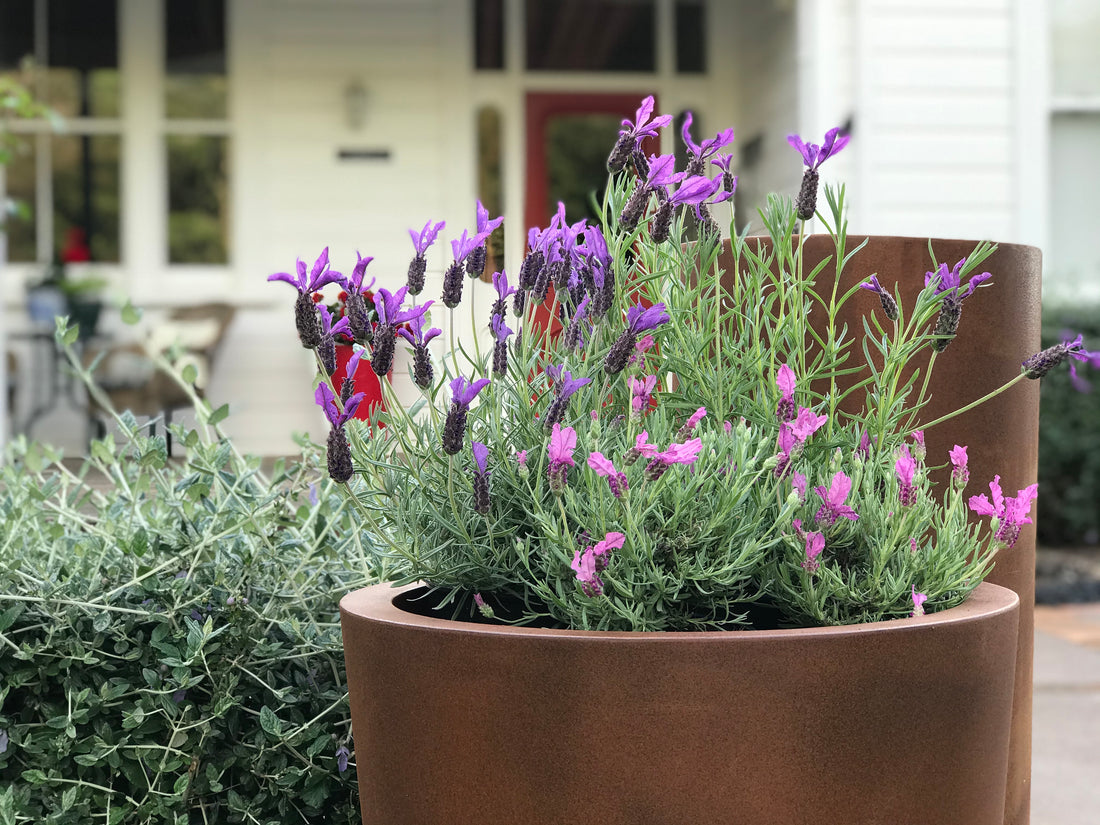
(196, 143)
(66, 52)
(591, 35)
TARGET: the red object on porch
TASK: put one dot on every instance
(364, 380)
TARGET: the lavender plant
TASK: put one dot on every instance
(680, 455)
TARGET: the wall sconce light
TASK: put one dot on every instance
(355, 104)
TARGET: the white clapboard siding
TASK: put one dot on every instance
(935, 126)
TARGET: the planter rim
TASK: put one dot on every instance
(375, 603)
(923, 239)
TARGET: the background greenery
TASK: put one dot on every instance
(1069, 438)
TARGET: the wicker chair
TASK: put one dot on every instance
(127, 375)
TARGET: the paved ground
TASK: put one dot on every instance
(1065, 786)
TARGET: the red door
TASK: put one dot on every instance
(569, 137)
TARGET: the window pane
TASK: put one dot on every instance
(1073, 259)
(195, 82)
(1076, 30)
(490, 188)
(16, 33)
(591, 35)
(21, 191)
(691, 23)
(576, 161)
(82, 79)
(198, 199)
(86, 193)
(489, 34)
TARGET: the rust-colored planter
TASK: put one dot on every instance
(1000, 328)
(902, 721)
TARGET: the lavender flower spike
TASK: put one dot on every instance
(305, 313)
(423, 372)
(419, 264)
(475, 262)
(639, 320)
(481, 478)
(463, 394)
(501, 331)
(338, 452)
(889, 305)
(701, 154)
(634, 132)
(452, 278)
(564, 387)
(813, 156)
(947, 282)
(1043, 362)
(326, 347)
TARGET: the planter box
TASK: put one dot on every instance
(889, 722)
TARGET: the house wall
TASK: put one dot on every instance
(935, 119)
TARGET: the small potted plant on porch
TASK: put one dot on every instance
(686, 560)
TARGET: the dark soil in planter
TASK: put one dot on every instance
(1067, 575)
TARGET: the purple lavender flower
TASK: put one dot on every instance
(889, 305)
(634, 132)
(701, 154)
(338, 452)
(342, 754)
(463, 394)
(347, 389)
(501, 331)
(423, 372)
(390, 314)
(481, 478)
(1043, 362)
(419, 264)
(616, 480)
(504, 291)
(638, 320)
(574, 333)
(564, 387)
(813, 156)
(947, 283)
(475, 263)
(305, 312)
(729, 180)
(326, 347)
(452, 278)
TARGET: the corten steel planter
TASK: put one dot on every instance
(1000, 327)
(889, 722)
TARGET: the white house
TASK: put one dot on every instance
(210, 143)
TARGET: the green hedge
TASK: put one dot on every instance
(1069, 438)
(171, 646)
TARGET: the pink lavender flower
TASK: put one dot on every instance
(833, 501)
(864, 448)
(800, 485)
(793, 435)
(918, 601)
(785, 380)
(685, 453)
(906, 467)
(728, 427)
(640, 349)
(641, 449)
(960, 473)
(482, 607)
(912, 545)
(616, 480)
(815, 543)
(919, 449)
(689, 426)
(1010, 514)
(560, 452)
(584, 565)
(602, 549)
(641, 394)
(521, 458)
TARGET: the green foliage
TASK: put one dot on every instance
(171, 636)
(1069, 438)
